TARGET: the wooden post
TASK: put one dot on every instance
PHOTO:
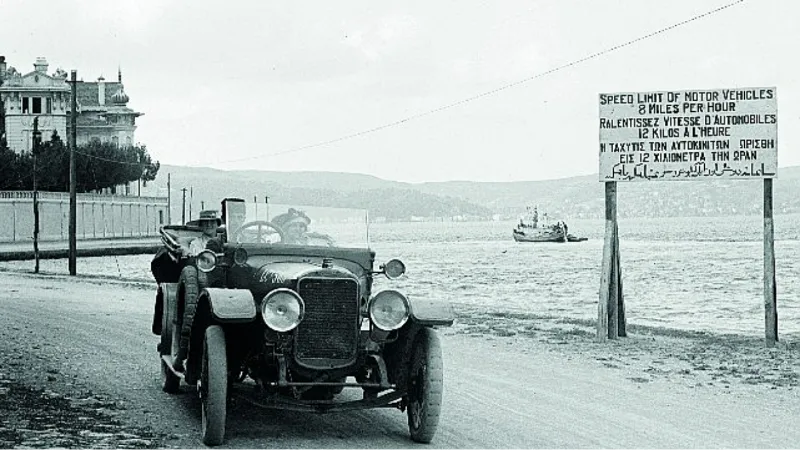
(607, 308)
(61, 214)
(770, 294)
(14, 218)
(622, 323)
(35, 219)
(169, 198)
(73, 199)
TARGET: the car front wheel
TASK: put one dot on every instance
(425, 386)
(213, 386)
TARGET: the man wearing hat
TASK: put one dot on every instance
(208, 222)
(294, 224)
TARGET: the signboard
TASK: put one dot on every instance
(689, 135)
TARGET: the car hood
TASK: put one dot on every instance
(286, 273)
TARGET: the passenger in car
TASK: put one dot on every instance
(294, 224)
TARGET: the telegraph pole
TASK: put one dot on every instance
(3, 142)
(266, 200)
(35, 150)
(183, 208)
(73, 203)
(169, 199)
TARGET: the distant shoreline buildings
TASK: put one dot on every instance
(103, 114)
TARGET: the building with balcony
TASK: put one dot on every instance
(102, 109)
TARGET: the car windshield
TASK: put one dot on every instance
(271, 223)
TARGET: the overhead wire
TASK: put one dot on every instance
(462, 101)
(490, 92)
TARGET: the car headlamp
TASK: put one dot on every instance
(206, 261)
(240, 256)
(394, 268)
(389, 310)
(282, 310)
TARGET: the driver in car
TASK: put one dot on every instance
(294, 224)
(208, 222)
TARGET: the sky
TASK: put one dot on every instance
(260, 85)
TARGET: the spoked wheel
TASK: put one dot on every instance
(213, 386)
(425, 386)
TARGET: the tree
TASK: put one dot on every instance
(98, 165)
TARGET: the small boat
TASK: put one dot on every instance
(530, 230)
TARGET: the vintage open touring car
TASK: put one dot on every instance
(287, 318)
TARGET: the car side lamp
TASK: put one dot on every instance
(394, 268)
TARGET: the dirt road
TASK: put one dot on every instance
(79, 368)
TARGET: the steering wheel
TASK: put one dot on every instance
(257, 232)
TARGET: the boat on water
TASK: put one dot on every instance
(530, 229)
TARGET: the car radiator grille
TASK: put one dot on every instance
(328, 335)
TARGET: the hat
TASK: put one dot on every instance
(209, 214)
(292, 216)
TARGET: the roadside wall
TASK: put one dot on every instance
(98, 216)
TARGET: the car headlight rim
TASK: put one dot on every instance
(206, 261)
(279, 315)
(382, 312)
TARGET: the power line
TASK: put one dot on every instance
(491, 92)
(463, 101)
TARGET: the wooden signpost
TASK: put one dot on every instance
(685, 136)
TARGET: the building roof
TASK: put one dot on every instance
(88, 92)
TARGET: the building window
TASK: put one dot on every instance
(49, 105)
(36, 105)
(25, 109)
(115, 140)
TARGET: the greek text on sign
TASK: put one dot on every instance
(688, 135)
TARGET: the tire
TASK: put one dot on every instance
(425, 386)
(170, 383)
(213, 386)
(189, 282)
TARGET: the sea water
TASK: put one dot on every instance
(703, 274)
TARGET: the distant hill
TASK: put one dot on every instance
(389, 199)
(585, 196)
(565, 198)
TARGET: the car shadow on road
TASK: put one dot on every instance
(247, 422)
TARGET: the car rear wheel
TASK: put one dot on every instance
(425, 386)
(213, 386)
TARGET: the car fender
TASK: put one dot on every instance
(425, 311)
(229, 305)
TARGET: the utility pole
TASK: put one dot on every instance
(169, 199)
(183, 209)
(73, 201)
(3, 142)
(266, 200)
(37, 137)
(191, 200)
(255, 200)
(202, 205)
